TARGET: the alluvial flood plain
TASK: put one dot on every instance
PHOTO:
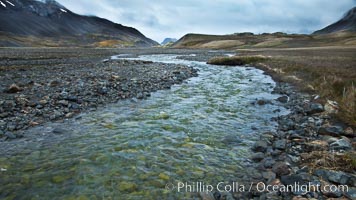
(139, 123)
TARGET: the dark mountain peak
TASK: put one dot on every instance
(346, 23)
(350, 15)
(48, 18)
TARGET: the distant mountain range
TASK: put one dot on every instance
(168, 40)
(347, 23)
(27, 22)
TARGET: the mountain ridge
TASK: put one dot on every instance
(346, 23)
(49, 19)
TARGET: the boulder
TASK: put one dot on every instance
(341, 144)
(335, 131)
(13, 89)
(260, 146)
(281, 168)
(315, 108)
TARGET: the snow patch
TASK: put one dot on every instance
(63, 10)
(3, 4)
(10, 3)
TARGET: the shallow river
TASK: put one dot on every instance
(201, 130)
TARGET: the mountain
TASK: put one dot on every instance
(347, 23)
(168, 40)
(23, 22)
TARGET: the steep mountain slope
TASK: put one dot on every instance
(47, 19)
(347, 23)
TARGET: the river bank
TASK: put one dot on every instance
(311, 147)
(308, 153)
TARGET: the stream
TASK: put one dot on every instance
(201, 130)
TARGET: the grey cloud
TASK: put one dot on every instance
(158, 19)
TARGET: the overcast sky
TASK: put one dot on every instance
(158, 19)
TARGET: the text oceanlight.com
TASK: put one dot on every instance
(235, 187)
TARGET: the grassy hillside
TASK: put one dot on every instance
(88, 40)
(276, 40)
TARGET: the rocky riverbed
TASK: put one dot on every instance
(308, 148)
(37, 87)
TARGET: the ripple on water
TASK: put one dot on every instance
(197, 131)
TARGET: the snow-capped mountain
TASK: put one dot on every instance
(48, 18)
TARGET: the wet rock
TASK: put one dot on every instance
(231, 140)
(287, 124)
(59, 131)
(260, 146)
(253, 173)
(315, 108)
(54, 83)
(331, 130)
(292, 179)
(140, 95)
(280, 144)
(262, 102)
(351, 194)
(269, 176)
(283, 99)
(281, 168)
(337, 177)
(10, 135)
(335, 193)
(331, 195)
(268, 162)
(341, 144)
(257, 157)
(13, 89)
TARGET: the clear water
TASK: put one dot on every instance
(197, 131)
